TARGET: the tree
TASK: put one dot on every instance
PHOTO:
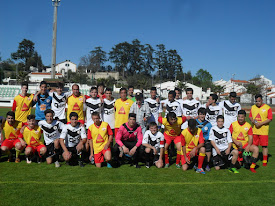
(22, 76)
(98, 58)
(174, 67)
(203, 79)
(161, 60)
(149, 60)
(182, 85)
(136, 58)
(253, 89)
(109, 82)
(24, 52)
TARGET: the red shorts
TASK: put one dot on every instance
(10, 143)
(116, 130)
(169, 139)
(240, 157)
(37, 148)
(99, 157)
(188, 156)
(260, 139)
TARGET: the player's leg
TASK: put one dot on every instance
(79, 149)
(208, 149)
(147, 156)
(264, 144)
(159, 164)
(255, 153)
(201, 157)
(179, 153)
(184, 164)
(29, 152)
(217, 162)
(99, 158)
(108, 157)
(18, 148)
(234, 159)
(135, 156)
(50, 153)
(166, 147)
(6, 146)
(41, 150)
(65, 157)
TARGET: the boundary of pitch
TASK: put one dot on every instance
(137, 183)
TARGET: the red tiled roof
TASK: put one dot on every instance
(41, 73)
(239, 81)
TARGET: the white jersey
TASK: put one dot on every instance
(221, 137)
(230, 112)
(155, 140)
(109, 112)
(91, 106)
(154, 109)
(51, 131)
(73, 135)
(170, 107)
(211, 114)
(189, 108)
(59, 104)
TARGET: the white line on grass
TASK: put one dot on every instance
(137, 183)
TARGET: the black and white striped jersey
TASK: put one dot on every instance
(92, 105)
(73, 135)
(51, 131)
(230, 112)
(109, 112)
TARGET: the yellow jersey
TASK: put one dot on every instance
(191, 141)
(22, 107)
(122, 111)
(75, 104)
(12, 131)
(99, 135)
(261, 114)
(240, 132)
(32, 136)
(174, 129)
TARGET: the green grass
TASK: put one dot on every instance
(22, 184)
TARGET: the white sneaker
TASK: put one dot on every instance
(28, 161)
(57, 164)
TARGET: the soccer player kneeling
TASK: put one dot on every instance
(192, 142)
(51, 130)
(11, 129)
(100, 137)
(74, 135)
(153, 141)
(222, 146)
(242, 136)
(32, 135)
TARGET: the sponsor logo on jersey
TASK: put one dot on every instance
(99, 139)
(258, 118)
(33, 142)
(12, 136)
(240, 136)
(126, 103)
(263, 110)
(246, 128)
(121, 111)
(76, 107)
(42, 107)
(80, 99)
(25, 107)
(191, 113)
(172, 132)
(191, 145)
(230, 113)
(104, 128)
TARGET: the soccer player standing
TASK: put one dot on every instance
(109, 109)
(213, 110)
(242, 136)
(11, 129)
(22, 104)
(100, 136)
(230, 109)
(260, 116)
(122, 107)
(170, 105)
(153, 103)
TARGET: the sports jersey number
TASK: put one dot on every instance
(74, 139)
(109, 112)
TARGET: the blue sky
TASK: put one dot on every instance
(223, 37)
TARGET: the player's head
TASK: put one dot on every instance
(43, 87)
(49, 114)
(189, 93)
(93, 92)
(31, 120)
(153, 127)
(232, 97)
(132, 119)
(108, 93)
(241, 116)
(73, 118)
(75, 89)
(220, 121)
(10, 117)
(131, 90)
(171, 96)
(123, 93)
(96, 118)
(24, 87)
(139, 98)
(153, 92)
(171, 117)
(201, 114)
(59, 87)
(213, 98)
(178, 92)
(192, 126)
(100, 88)
(258, 100)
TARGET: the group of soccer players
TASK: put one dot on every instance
(98, 128)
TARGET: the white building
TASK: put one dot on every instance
(232, 85)
(64, 67)
(40, 76)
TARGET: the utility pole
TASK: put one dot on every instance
(55, 4)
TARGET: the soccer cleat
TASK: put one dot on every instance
(147, 165)
(253, 170)
(57, 164)
(200, 170)
(234, 170)
(207, 168)
(10, 159)
(17, 160)
(80, 163)
(137, 166)
(167, 165)
(195, 167)
(39, 160)
(178, 166)
(93, 161)
(28, 161)
(109, 165)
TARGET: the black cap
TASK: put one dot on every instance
(233, 94)
(139, 96)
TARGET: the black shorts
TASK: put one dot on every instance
(50, 150)
(221, 160)
(208, 146)
(73, 150)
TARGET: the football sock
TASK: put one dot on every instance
(17, 152)
(252, 167)
(201, 159)
(166, 157)
(178, 157)
(147, 157)
(264, 160)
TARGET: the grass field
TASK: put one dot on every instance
(22, 184)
